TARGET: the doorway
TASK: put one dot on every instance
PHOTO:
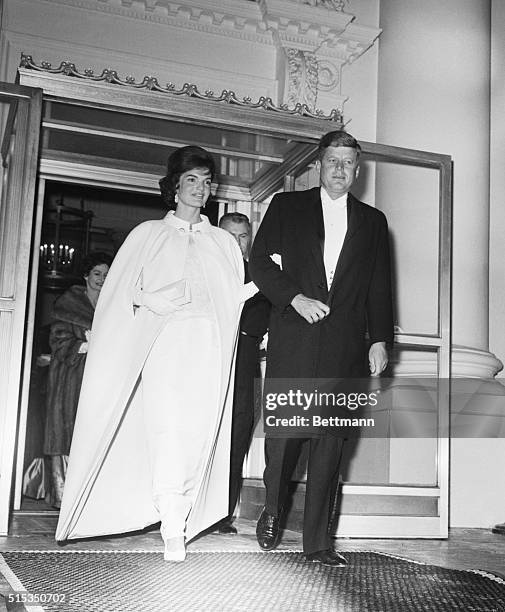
(111, 137)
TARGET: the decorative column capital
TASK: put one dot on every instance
(311, 25)
(305, 76)
(301, 78)
(317, 38)
(303, 26)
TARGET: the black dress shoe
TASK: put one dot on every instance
(327, 557)
(226, 527)
(267, 530)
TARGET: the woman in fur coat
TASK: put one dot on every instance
(71, 324)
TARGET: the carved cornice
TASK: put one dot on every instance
(317, 36)
(151, 83)
(302, 26)
(240, 20)
(309, 25)
(336, 5)
(351, 44)
(326, 32)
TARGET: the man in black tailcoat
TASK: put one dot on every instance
(253, 326)
(322, 259)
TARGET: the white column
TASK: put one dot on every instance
(497, 208)
(434, 94)
(434, 79)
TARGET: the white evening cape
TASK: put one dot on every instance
(108, 484)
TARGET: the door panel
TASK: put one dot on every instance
(20, 112)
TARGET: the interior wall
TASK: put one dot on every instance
(497, 185)
(434, 94)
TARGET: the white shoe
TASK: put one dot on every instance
(175, 549)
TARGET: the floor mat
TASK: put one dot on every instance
(248, 581)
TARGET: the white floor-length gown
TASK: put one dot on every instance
(153, 426)
(180, 405)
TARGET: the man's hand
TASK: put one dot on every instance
(311, 310)
(377, 358)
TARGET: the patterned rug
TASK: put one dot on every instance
(235, 582)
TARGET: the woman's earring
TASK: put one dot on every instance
(176, 198)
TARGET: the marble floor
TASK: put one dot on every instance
(464, 549)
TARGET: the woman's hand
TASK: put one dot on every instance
(247, 291)
(155, 302)
(85, 345)
(164, 301)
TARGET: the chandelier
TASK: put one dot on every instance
(56, 257)
(65, 241)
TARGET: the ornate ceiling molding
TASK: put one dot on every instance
(240, 20)
(316, 36)
(318, 39)
(291, 22)
(317, 28)
(151, 83)
(337, 5)
(309, 25)
(351, 44)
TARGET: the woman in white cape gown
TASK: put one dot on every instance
(152, 435)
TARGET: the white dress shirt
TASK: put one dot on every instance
(335, 228)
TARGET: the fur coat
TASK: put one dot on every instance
(72, 317)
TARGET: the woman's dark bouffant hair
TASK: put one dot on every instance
(180, 161)
(94, 258)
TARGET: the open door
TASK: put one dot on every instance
(20, 117)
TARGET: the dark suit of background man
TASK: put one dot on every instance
(332, 285)
(253, 326)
